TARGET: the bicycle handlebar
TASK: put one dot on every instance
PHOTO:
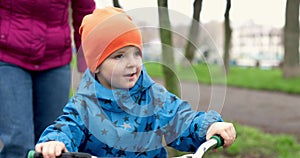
(34, 154)
(214, 142)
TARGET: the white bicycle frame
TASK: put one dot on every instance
(214, 142)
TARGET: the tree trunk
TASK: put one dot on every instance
(168, 59)
(116, 3)
(227, 40)
(291, 66)
(194, 32)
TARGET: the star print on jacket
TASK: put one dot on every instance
(128, 123)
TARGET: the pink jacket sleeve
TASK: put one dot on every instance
(80, 8)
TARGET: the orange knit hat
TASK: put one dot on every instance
(105, 31)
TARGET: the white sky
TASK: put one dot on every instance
(265, 12)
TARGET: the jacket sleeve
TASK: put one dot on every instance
(68, 128)
(80, 8)
(186, 131)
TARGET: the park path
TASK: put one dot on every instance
(273, 112)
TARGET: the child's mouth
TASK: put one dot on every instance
(130, 75)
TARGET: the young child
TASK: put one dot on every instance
(118, 110)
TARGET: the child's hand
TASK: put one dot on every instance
(225, 130)
(51, 149)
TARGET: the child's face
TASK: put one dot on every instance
(121, 69)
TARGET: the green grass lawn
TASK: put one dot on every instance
(255, 78)
(253, 143)
(252, 78)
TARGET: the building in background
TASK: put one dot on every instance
(256, 45)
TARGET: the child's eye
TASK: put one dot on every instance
(118, 56)
(137, 53)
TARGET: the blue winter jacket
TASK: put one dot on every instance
(137, 122)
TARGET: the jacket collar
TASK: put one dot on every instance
(91, 88)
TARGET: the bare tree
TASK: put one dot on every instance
(116, 3)
(194, 31)
(227, 40)
(168, 58)
(291, 67)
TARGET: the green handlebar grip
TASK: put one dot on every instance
(33, 154)
(220, 140)
(30, 154)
